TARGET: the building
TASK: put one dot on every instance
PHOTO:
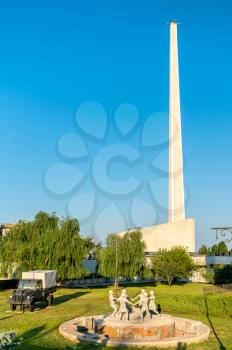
(4, 228)
(209, 262)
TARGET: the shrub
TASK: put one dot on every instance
(8, 340)
(173, 263)
(209, 275)
(223, 274)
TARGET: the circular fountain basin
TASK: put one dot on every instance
(163, 331)
(157, 328)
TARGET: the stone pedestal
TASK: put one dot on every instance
(158, 328)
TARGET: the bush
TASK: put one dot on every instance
(218, 274)
(209, 275)
(223, 274)
(8, 340)
(173, 264)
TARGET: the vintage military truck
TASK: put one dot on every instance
(34, 286)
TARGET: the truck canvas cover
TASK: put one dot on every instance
(48, 277)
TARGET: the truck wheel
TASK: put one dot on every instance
(12, 307)
(32, 307)
(50, 300)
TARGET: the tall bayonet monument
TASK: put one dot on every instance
(178, 230)
(176, 183)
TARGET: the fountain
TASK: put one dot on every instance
(134, 322)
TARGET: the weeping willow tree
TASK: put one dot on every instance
(130, 256)
(44, 243)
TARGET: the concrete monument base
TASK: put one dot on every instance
(165, 236)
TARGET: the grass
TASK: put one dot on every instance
(39, 330)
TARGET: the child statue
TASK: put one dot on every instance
(113, 303)
(142, 303)
(152, 306)
(124, 305)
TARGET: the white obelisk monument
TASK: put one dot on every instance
(178, 230)
(176, 183)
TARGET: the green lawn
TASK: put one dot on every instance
(39, 330)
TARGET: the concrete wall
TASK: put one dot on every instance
(206, 260)
(216, 260)
(165, 236)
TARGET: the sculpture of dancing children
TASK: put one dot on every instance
(152, 306)
(113, 303)
(123, 305)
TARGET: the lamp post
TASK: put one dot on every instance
(116, 267)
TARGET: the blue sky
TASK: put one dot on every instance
(55, 55)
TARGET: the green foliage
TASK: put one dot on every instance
(8, 340)
(218, 274)
(130, 256)
(44, 243)
(222, 248)
(216, 249)
(213, 250)
(208, 274)
(204, 250)
(173, 263)
(222, 274)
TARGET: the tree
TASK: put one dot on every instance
(216, 249)
(44, 243)
(222, 274)
(130, 255)
(204, 250)
(173, 263)
(68, 251)
(222, 248)
(208, 274)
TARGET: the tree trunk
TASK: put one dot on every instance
(169, 281)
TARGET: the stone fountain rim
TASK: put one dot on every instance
(67, 330)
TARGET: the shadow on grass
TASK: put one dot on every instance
(4, 318)
(221, 346)
(174, 283)
(57, 300)
(32, 335)
(181, 346)
(36, 334)
(35, 347)
(63, 298)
